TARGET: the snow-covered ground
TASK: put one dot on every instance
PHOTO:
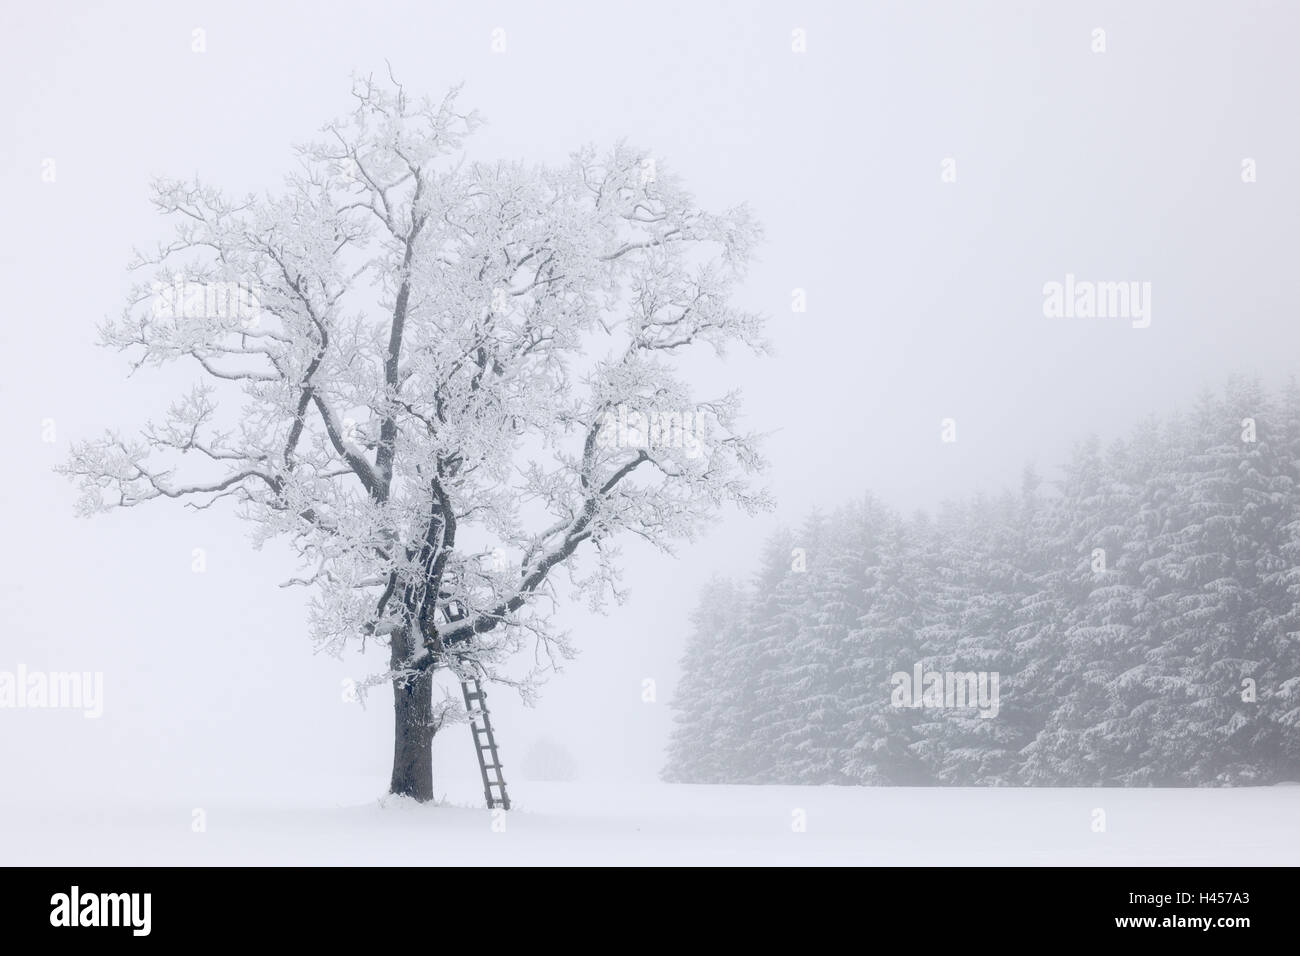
(343, 822)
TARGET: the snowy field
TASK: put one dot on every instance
(658, 824)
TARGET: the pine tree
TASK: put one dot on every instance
(764, 662)
(885, 642)
(700, 701)
(1144, 622)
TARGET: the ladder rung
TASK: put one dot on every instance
(493, 773)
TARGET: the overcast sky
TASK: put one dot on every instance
(924, 300)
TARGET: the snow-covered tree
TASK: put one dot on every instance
(549, 761)
(786, 684)
(704, 740)
(764, 664)
(881, 642)
(441, 381)
(1143, 622)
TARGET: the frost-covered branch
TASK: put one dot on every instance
(441, 380)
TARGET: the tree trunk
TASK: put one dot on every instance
(412, 727)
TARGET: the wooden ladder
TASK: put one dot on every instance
(485, 744)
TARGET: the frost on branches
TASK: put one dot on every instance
(409, 366)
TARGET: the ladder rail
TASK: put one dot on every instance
(472, 690)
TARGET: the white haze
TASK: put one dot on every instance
(924, 302)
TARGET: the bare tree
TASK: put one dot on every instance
(454, 379)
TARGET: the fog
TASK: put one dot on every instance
(924, 301)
